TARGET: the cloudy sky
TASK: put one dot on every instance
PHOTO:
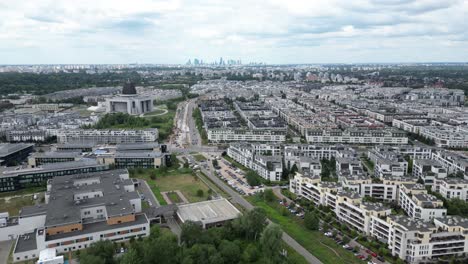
(272, 31)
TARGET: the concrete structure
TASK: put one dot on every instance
(14, 153)
(129, 102)
(208, 213)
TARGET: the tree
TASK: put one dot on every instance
(131, 257)
(270, 243)
(252, 178)
(229, 251)
(190, 233)
(200, 193)
(250, 254)
(102, 250)
(251, 224)
(268, 195)
(311, 221)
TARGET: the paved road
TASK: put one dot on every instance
(5, 247)
(146, 191)
(244, 203)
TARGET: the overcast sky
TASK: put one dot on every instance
(272, 31)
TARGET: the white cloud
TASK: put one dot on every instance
(277, 31)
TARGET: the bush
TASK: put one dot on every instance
(268, 195)
(200, 193)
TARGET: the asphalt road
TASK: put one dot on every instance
(146, 191)
(244, 203)
(5, 247)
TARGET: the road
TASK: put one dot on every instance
(186, 129)
(244, 203)
(5, 247)
(144, 189)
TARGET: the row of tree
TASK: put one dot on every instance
(248, 239)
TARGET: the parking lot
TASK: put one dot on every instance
(235, 178)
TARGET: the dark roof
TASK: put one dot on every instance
(129, 88)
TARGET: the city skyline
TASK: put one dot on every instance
(274, 32)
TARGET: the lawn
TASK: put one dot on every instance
(30, 190)
(174, 197)
(171, 180)
(15, 204)
(315, 242)
(199, 157)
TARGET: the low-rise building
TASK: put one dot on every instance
(428, 170)
(11, 153)
(83, 209)
(208, 214)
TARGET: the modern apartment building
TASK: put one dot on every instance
(428, 170)
(107, 136)
(451, 188)
(418, 204)
(357, 136)
(219, 135)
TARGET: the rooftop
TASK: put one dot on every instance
(206, 212)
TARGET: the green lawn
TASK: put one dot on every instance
(174, 197)
(315, 242)
(15, 204)
(171, 180)
(199, 157)
(29, 190)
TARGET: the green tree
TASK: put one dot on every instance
(103, 249)
(311, 221)
(131, 257)
(252, 178)
(190, 234)
(230, 251)
(270, 243)
(200, 193)
(268, 195)
(250, 254)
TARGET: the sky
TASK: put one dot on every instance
(270, 31)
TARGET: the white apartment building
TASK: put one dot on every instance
(268, 167)
(451, 188)
(453, 162)
(446, 136)
(107, 136)
(418, 241)
(219, 135)
(418, 204)
(357, 136)
(428, 170)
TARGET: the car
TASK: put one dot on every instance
(142, 197)
(122, 250)
(328, 234)
(361, 257)
(380, 258)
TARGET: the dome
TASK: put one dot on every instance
(129, 88)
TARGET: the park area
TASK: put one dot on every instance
(325, 249)
(168, 180)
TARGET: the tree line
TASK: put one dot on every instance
(248, 239)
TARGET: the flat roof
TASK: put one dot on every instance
(10, 148)
(26, 242)
(98, 227)
(211, 211)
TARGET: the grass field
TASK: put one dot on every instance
(13, 205)
(199, 157)
(174, 197)
(175, 179)
(315, 242)
(29, 190)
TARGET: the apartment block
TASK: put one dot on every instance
(418, 204)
